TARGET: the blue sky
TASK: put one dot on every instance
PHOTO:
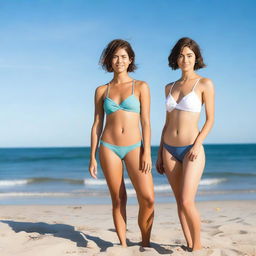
(49, 53)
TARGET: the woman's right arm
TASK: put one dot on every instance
(96, 129)
(159, 162)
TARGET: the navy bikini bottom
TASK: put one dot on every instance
(178, 152)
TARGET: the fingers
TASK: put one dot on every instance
(93, 172)
(160, 168)
(143, 166)
(192, 155)
(146, 167)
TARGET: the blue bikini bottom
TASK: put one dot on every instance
(121, 151)
(178, 152)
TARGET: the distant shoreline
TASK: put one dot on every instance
(46, 147)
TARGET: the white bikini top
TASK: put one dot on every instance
(189, 102)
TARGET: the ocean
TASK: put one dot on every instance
(60, 176)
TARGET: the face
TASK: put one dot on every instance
(120, 61)
(186, 60)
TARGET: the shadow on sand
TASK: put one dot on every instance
(59, 230)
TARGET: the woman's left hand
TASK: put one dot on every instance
(146, 163)
(193, 152)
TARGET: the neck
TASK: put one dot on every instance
(188, 75)
(120, 78)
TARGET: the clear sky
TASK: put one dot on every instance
(49, 53)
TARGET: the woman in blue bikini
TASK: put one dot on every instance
(126, 103)
(181, 154)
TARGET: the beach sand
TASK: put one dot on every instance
(228, 228)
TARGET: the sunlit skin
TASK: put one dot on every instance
(120, 62)
(122, 128)
(181, 129)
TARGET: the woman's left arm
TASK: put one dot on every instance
(208, 99)
(145, 125)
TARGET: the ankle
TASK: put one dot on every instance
(124, 245)
(145, 243)
(197, 247)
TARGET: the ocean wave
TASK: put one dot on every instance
(167, 188)
(101, 182)
(7, 183)
(33, 194)
(208, 182)
(31, 159)
(65, 180)
(95, 182)
(229, 174)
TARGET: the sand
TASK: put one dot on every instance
(228, 228)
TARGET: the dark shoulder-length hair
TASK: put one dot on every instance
(108, 53)
(178, 47)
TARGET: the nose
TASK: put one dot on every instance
(185, 59)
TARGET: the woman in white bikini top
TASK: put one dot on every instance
(181, 154)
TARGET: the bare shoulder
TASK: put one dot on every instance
(206, 83)
(141, 85)
(100, 90)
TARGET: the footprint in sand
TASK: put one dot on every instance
(236, 219)
(215, 233)
(207, 221)
(77, 207)
(35, 237)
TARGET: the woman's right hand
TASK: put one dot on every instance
(93, 168)
(160, 165)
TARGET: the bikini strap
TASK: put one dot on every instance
(172, 87)
(108, 86)
(196, 83)
(133, 83)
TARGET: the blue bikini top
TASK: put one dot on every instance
(131, 103)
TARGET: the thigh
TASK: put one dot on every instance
(142, 182)
(112, 167)
(192, 173)
(173, 171)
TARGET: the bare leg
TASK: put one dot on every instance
(113, 170)
(173, 171)
(192, 172)
(143, 184)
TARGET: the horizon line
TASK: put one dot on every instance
(83, 146)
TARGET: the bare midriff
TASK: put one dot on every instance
(181, 128)
(122, 128)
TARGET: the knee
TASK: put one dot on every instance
(148, 201)
(120, 200)
(186, 203)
